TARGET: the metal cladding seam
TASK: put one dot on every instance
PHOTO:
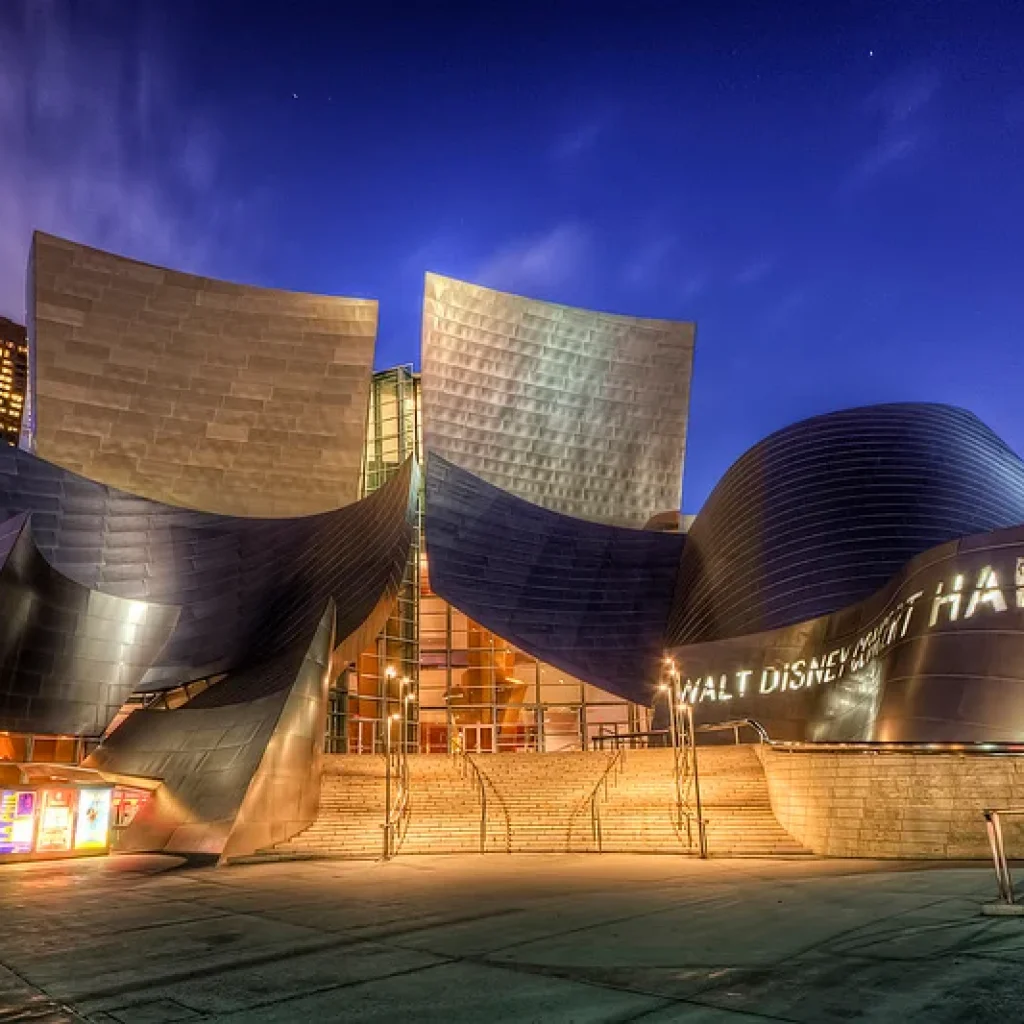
(590, 599)
(246, 587)
(823, 513)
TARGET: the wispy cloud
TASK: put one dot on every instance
(756, 271)
(97, 147)
(584, 135)
(553, 258)
(647, 264)
(901, 108)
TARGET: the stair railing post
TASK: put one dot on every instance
(702, 837)
(387, 787)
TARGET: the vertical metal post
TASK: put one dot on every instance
(387, 787)
(702, 838)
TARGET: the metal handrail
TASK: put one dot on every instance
(484, 779)
(616, 764)
(598, 741)
(736, 724)
(481, 787)
(995, 840)
(394, 826)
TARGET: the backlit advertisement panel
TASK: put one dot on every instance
(17, 820)
(56, 820)
(92, 831)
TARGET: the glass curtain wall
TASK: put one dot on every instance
(481, 694)
(470, 688)
(386, 673)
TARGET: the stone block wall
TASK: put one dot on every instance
(904, 805)
(196, 392)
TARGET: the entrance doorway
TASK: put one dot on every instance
(477, 739)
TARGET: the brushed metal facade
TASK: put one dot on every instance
(937, 655)
(195, 392)
(69, 656)
(580, 412)
(590, 599)
(246, 587)
(823, 513)
(240, 766)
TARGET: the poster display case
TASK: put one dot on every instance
(61, 819)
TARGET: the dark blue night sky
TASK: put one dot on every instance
(835, 195)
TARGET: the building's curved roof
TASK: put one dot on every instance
(577, 411)
(590, 599)
(69, 655)
(196, 392)
(815, 518)
(823, 513)
(247, 587)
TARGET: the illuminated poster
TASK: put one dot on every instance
(17, 820)
(56, 818)
(93, 828)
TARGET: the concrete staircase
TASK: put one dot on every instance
(637, 816)
(444, 809)
(540, 803)
(544, 797)
(351, 813)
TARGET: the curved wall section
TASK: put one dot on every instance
(937, 655)
(203, 393)
(579, 412)
(69, 656)
(247, 588)
(590, 599)
(823, 513)
(237, 775)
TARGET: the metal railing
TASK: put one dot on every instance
(612, 771)
(631, 740)
(736, 724)
(995, 841)
(396, 797)
(469, 768)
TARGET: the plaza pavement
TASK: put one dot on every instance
(567, 938)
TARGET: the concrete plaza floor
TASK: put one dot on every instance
(530, 938)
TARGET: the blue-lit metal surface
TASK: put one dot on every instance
(69, 656)
(246, 587)
(590, 599)
(823, 513)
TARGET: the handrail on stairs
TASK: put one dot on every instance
(736, 724)
(615, 765)
(464, 761)
(396, 813)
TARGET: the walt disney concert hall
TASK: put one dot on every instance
(237, 619)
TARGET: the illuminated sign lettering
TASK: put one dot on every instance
(950, 603)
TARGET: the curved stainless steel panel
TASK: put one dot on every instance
(936, 656)
(591, 599)
(580, 412)
(823, 513)
(237, 774)
(246, 587)
(69, 656)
